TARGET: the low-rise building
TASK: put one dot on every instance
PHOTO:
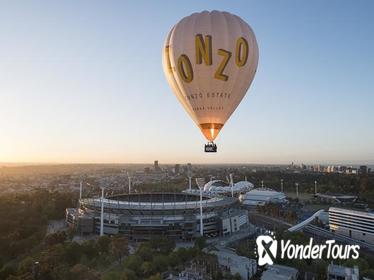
(233, 221)
(338, 272)
(231, 262)
(261, 197)
(336, 198)
(280, 272)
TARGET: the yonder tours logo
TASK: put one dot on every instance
(268, 250)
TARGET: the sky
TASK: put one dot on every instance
(82, 82)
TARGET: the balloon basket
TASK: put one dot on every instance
(210, 147)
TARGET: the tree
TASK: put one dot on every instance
(155, 277)
(369, 273)
(112, 275)
(185, 254)
(119, 246)
(174, 259)
(61, 272)
(200, 243)
(162, 245)
(73, 253)
(318, 267)
(145, 252)
(82, 272)
(128, 274)
(89, 249)
(237, 276)
(361, 263)
(161, 263)
(103, 244)
(25, 276)
(6, 271)
(26, 265)
(55, 238)
(50, 259)
(134, 263)
(147, 268)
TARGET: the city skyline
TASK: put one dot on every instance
(83, 83)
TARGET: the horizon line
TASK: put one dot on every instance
(18, 164)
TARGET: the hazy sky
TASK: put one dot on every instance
(82, 81)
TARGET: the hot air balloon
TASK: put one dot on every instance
(210, 60)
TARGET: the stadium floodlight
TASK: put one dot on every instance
(104, 183)
(232, 185)
(200, 183)
(189, 175)
(227, 179)
(297, 190)
(80, 187)
(315, 187)
(281, 185)
(81, 181)
(129, 176)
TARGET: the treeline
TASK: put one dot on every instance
(326, 181)
(175, 185)
(361, 185)
(109, 258)
(59, 258)
(24, 219)
(277, 211)
(158, 256)
(27, 253)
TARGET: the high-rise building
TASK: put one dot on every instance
(331, 169)
(342, 169)
(363, 169)
(189, 167)
(176, 169)
(155, 165)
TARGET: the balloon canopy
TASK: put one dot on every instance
(210, 59)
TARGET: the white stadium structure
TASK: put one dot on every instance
(262, 196)
(217, 187)
(248, 195)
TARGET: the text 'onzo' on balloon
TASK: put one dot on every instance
(203, 50)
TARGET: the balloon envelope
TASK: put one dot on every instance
(210, 59)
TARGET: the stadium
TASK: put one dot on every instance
(142, 216)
